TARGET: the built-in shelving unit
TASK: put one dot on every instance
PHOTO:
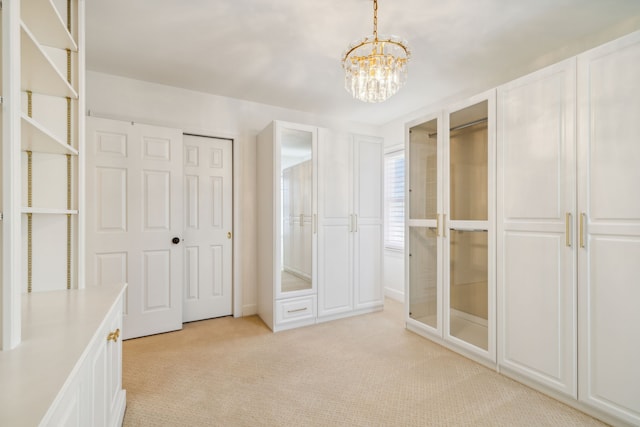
(43, 80)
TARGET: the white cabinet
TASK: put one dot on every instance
(569, 230)
(70, 372)
(286, 179)
(536, 260)
(349, 224)
(608, 222)
(450, 219)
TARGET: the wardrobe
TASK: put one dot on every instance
(319, 224)
(569, 230)
(559, 244)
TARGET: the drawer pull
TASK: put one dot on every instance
(297, 310)
(113, 336)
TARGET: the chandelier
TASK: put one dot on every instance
(375, 67)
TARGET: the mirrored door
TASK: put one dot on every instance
(297, 208)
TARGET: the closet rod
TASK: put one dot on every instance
(466, 125)
(207, 136)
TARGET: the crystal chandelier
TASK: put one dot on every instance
(375, 67)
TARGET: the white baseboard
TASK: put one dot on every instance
(394, 294)
(249, 309)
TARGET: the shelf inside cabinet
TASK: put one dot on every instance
(44, 21)
(38, 73)
(38, 139)
(49, 211)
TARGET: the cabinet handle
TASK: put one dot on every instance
(297, 310)
(355, 227)
(113, 336)
(301, 220)
(351, 223)
(438, 225)
(582, 221)
(315, 223)
(567, 230)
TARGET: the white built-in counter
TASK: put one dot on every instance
(68, 368)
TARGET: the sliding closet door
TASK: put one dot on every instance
(135, 177)
(536, 239)
(609, 227)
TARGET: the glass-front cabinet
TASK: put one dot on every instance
(450, 245)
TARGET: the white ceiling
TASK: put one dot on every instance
(287, 52)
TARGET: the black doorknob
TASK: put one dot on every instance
(175, 240)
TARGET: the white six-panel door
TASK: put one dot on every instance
(536, 233)
(609, 223)
(134, 175)
(208, 227)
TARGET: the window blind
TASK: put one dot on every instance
(394, 200)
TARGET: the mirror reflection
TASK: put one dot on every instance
(296, 174)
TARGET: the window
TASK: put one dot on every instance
(394, 200)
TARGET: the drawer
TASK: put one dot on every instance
(296, 309)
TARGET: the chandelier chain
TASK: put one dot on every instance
(375, 19)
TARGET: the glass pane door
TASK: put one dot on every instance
(425, 245)
(468, 196)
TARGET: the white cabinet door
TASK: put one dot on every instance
(367, 210)
(536, 258)
(335, 245)
(609, 238)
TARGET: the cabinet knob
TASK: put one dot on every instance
(113, 336)
(175, 240)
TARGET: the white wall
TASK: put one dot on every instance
(195, 112)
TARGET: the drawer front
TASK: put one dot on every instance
(296, 309)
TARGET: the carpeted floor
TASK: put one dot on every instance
(362, 371)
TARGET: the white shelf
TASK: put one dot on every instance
(43, 19)
(48, 211)
(38, 139)
(38, 73)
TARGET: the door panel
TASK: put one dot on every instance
(135, 173)
(609, 224)
(208, 239)
(367, 189)
(536, 203)
(335, 290)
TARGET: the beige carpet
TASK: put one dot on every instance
(362, 371)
